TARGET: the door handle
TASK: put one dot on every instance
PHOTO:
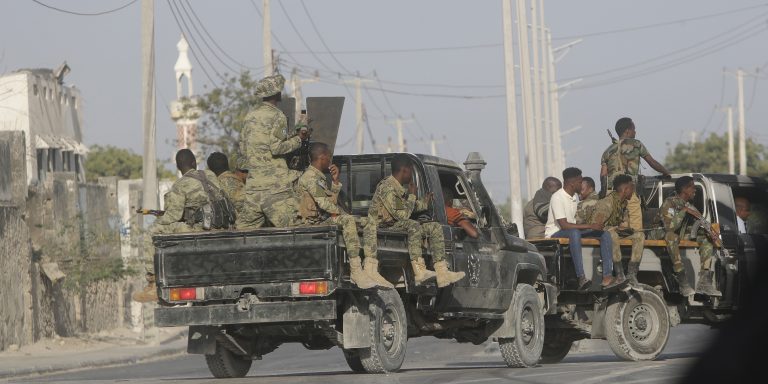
(459, 246)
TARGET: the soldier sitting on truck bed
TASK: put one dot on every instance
(183, 212)
(672, 216)
(588, 198)
(611, 212)
(233, 183)
(319, 205)
(535, 212)
(391, 208)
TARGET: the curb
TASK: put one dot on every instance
(100, 363)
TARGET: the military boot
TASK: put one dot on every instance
(618, 270)
(706, 285)
(632, 273)
(371, 268)
(682, 281)
(421, 275)
(149, 293)
(446, 277)
(358, 275)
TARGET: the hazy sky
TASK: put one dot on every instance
(673, 72)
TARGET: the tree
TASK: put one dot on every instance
(120, 162)
(711, 156)
(223, 112)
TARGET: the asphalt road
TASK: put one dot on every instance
(429, 360)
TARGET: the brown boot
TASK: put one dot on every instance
(371, 268)
(446, 277)
(149, 293)
(358, 275)
(421, 275)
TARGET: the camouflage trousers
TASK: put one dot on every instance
(281, 209)
(706, 251)
(431, 231)
(348, 231)
(148, 249)
(638, 239)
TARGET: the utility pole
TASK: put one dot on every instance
(266, 46)
(742, 128)
(531, 146)
(557, 149)
(433, 144)
(731, 152)
(296, 83)
(149, 164)
(513, 146)
(546, 122)
(693, 139)
(537, 122)
(357, 82)
(399, 125)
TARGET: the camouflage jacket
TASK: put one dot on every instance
(623, 157)
(188, 193)
(391, 202)
(586, 208)
(672, 214)
(233, 188)
(263, 141)
(535, 214)
(318, 200)
(609, 211)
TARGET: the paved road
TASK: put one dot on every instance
(429, 360)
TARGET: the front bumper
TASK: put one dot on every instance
(222, 314)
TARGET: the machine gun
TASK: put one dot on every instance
(299, 159)
(604, 179)
(712, 232)
(153, 212)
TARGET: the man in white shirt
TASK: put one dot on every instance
(743, 207)
(561, 223)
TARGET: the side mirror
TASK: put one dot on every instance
(512, 230)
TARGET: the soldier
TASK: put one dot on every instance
(535, 212)
(588, 198)
(232, 183)
(623, 157)
(391, 208)
(611, 212)
(182, 207)
(456, 217)
(263, 142)
(672, 216)
(319, 206)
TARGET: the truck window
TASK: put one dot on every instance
(462, 198)
(360, 183)
(669, 188)
(757, 222)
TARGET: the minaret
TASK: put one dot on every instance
(184, 109)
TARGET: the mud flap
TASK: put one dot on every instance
(201, 339)
(598, 319)
(356, 326)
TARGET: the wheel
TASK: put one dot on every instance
(524, 350)
(389, 333)
(637, 325)
(557, 344)
(352, 356)
(224, 364)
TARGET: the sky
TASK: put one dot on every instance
(665, 64)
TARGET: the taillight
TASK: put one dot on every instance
(187, 294)
(310, 288)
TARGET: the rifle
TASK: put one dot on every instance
(154, 212)
(712, 232)
(299, 159)
(613, 139)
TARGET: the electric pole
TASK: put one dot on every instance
(357, 82)
(399, 125)
(531, 146)
(266, 46)
(546, 122)
(149, 164)
(731, 152)
(296, 83)
(433, 144)
(513, 145)
(742, 128)
(557, 148)
(537, 123)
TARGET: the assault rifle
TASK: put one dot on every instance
(712, 232)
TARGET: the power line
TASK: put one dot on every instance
(202, 37)
(320, 36)
(126, 5)
(293, 26)
(178, 24)
(399, 50)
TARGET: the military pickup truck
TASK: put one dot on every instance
(244, 293)
(637, 322)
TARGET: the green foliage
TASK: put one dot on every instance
(120, 162)
(223, 112)
(711, 156)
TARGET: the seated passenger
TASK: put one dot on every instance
(743, 208)
(457, 218)
(561, 223)
(588, 198)
(391, 208)
(535, 212)
(233, 183)
(319, 205)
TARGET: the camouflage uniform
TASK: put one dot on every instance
(269, 188)
(586, 208)
(672, 216)
(319, 206)
(185, 194)
(233, 187)
(611, 212)
(391, 208)
(623, 157)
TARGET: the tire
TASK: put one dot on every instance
(389, 333)
(557, 344)
(524, 350)
(352, 356)
(637, 325)
(225, 365)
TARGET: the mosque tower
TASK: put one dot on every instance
(184, 111)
